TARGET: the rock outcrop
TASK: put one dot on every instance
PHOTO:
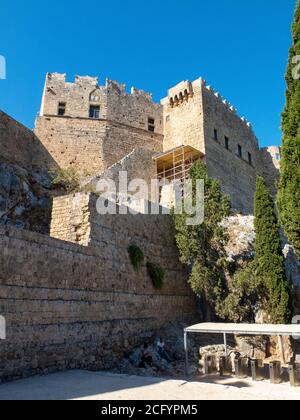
(240, 250)
(24, 198)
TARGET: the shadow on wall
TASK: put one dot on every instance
(19, 145)
(25, 180)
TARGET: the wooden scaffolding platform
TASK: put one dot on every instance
(175, 164)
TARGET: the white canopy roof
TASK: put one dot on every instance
(246, 329)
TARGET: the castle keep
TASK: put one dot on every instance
(103, 129)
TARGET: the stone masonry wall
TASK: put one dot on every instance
(183, 116)
(139, 164)
(74, 142)
(69, 306)
(70, 218)
(271, 166)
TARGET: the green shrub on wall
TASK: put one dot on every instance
(136, 256)
(157, 275)
(67, 179)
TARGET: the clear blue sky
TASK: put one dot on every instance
(239, 46)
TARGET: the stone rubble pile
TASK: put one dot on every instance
(218, 351)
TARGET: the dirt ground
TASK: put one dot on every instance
(83, 385)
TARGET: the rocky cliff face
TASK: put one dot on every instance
(241, 233)
(25, 183)
(24, 197)
(240, 249)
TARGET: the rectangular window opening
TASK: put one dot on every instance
(250, 159)
(216, 134)
(240, 151)
(61, 109)
(226, 143)
(94, 112)
(151, 125)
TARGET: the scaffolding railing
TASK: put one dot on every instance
(178, 169)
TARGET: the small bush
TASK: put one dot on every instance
(136, 256)
(67, 179)
(157, 275)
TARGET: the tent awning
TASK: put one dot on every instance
(246, 329)
(242, 329)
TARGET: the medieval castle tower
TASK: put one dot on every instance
(98, 128)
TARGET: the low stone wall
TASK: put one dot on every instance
(69, 306)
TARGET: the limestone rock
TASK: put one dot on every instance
(23, 199)
(254, 347)
(241, 237)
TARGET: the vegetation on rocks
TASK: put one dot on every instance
(262, 285)
(67, 179)
(235, 292)
(202, 247)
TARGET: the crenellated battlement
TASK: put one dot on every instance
(180, 93)
(86, 80)
(60, 77)
(141, 93)
(59, 80)
(75, 99)
(120, 88)
(226, 103)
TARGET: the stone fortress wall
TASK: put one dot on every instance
(72, 306)
(80, 305)
(232, 151)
